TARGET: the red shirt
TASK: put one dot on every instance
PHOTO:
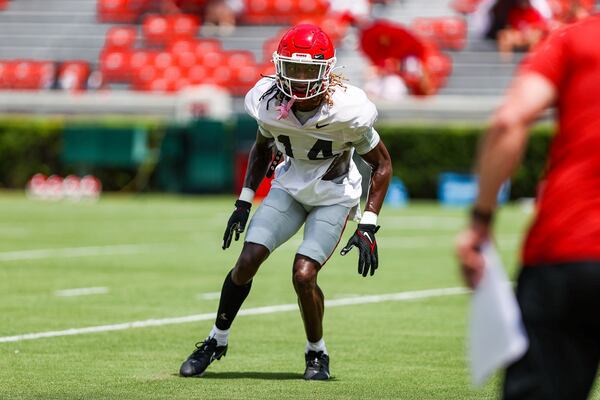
(567, 222)
(384, 40)
(524, 18)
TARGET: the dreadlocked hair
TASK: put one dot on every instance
(273, 93)
(335, 80)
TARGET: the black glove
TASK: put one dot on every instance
(237, 222)
(364, 239)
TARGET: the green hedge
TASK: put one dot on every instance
(420, 153)
(29, 146)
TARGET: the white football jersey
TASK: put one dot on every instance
(311, 148)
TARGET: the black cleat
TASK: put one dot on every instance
(206, 352)
(317, 366)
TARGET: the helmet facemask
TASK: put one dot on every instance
(302, 77)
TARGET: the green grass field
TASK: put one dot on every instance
(160, 257)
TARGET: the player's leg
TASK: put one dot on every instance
(310, 296)
(277, 219)
(322, 232)
(564, 350)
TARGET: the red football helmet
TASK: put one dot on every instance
(303, 61)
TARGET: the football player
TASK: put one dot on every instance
(316, 123)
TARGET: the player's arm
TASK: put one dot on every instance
(364, 237)
(499, 155)
(504, 143)
(381, 174)
(258, 163)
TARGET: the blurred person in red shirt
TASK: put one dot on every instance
(393, 49)
(559, 284)
(525, 28)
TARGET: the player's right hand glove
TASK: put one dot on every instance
(237, 222)
(364, 240)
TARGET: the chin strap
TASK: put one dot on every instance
(285, 108)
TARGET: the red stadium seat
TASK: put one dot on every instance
(243, 69)
(120, 37)
(334, 25)
(205, 46)
(156, 30)
(163, 84)
(73, 75)
(311, 7)
(182, 45)
(172, 73)
(282, 11)
(144, 76)
(243, 79)
(451, 33)
(182, 83)
(266, 69)
(424, 27)
(159, 30)
(185, 59)
(269, 47)
(182, 26)
(440, 67)
(141, 58)
(239, 58)
(465, 6)
(256, 11)
(126, 11)
(213, 59)
(220, 76)
(163, 60)
(115, 65)
(3, 4)
(197, 75)
(6, 74)
(32, 75)
(446, 32)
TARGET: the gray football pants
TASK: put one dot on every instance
(279, 217)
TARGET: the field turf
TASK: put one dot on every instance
(159, 257)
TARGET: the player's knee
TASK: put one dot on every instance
(304, 276)
(245, 268)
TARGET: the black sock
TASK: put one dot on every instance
(232, 297)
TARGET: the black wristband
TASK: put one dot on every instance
(482, 217)
(243, 204)
(369, 228)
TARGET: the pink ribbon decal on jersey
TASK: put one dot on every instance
(284, 109)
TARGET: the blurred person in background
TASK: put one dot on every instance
(384, 86)
(558, 287)
(316, 122)
(513, 19)
(525, 27)
(393, 49)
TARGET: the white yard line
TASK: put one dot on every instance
(401, 296)
(209, 295)
(81, 291)
(68, 252)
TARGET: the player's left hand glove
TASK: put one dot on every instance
(364, 240)
(237, 222)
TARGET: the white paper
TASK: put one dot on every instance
(496, 333)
